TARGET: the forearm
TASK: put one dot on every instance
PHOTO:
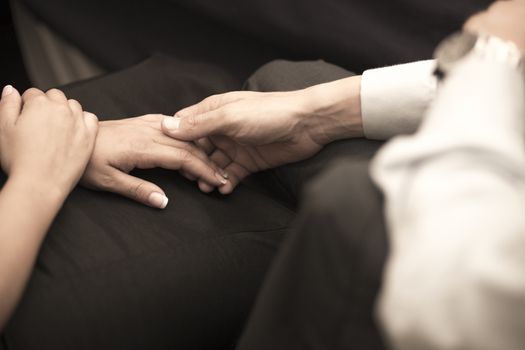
(26, 211)
(381, 103)
(333, 110)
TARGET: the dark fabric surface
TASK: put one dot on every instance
(321, 288)
(241, 35)
(12, 70)
(113, 274)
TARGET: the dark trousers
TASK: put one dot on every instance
(321, 288)
(113, 274)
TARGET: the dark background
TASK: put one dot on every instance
(12, 70)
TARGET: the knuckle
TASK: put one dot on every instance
(91, 115)
(54, 92)
(32, 92)
(210, 100)
(75, 103)
(190, 121)
(137, 190)
(216, 98)
(185, 156)
(104, 181)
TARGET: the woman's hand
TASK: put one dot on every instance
(123, 145)
(45, 139)
(245, 132)
(45, 143)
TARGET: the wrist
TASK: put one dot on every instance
(38, 190)
(333, 110)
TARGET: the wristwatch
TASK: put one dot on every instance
(457, 46)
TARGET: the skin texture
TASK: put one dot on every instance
(504, 19)
(43, 134)
(246, 132)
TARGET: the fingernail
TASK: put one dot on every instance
(221, 178)
(224, 174)
(158, 200)
(171, 123)
(8, 89)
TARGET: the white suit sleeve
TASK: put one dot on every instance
(455, 206)
(394, 99)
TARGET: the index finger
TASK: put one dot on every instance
(193, 127)
(211, 103)
(183, 159)
(31, 94)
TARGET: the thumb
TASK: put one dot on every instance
(10, 105)
(191, 127)
(137, 189)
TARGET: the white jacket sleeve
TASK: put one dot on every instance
(394, 99)
(455, 206)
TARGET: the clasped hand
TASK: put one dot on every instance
(217, 142)
(245, 132)
(123, 145)
(49, 142)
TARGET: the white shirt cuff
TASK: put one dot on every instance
(394, 99)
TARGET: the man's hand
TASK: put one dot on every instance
(246, 132)
(504, 19)
(123, 145)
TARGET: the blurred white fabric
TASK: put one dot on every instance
(455, 206)
(394, 99)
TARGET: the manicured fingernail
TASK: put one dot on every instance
(171, 123)
(8, 89)
(158, 200)
(221, 178)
